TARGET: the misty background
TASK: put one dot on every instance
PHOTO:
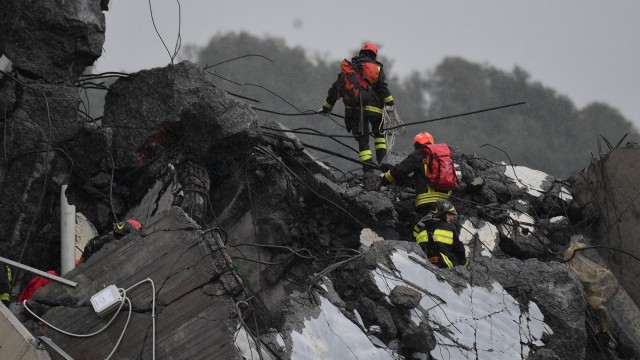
(573, 63)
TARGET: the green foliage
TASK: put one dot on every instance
(548, 133)
(278, 70)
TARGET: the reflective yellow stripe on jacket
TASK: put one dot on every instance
(420, 236)
(374, 109)
(443, 236)
(432, 196)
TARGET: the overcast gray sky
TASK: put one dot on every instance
(587, 50)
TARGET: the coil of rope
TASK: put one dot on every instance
(391, 125)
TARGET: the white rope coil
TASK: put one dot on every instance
(391, 119)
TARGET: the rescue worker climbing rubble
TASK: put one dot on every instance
(415, 164)
(131, 226)
(361, 85)
(438, 237)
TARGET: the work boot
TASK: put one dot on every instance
(368, 166)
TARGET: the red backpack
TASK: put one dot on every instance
(439, 167)
(357, 78)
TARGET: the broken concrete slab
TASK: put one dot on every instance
(184, 97)
(52, 41)
(177, 258)
(557, 315)
(610, 188)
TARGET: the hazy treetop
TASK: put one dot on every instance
(586, 49)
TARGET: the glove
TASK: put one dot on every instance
(389, 108)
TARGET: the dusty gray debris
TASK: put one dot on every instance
(543, 354)
(562, 305)
(405, 297)
(177, 100)
(176, 258)
(253, 244)
(52, 41)
(614, 183)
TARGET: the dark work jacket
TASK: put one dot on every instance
(415, 163)
(5, 282)
(442, 240)
(381, 94)
(96, 243)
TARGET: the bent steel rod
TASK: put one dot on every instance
(41, 273)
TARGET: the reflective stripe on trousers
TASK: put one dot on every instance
(365, 155)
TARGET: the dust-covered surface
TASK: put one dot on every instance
(252, 242)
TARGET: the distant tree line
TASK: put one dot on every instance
(547, 133)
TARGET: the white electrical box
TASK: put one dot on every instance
(106, 300)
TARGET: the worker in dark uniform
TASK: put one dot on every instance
(364, 102)
(5, 284)
(415, 164)
(439, 238)
(131, 226)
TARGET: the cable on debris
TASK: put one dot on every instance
(256, 337)
(601, 247)
(331, 137)
(104, 75)
(327, 270)
(178, 44)
(264, 151)
(321, 150)
(113, 169)
(123, 293)
(384, 129)
(294, 252)
(405, 124)
(207, 67)
(294, 114)
(459, 115)
(315, 133)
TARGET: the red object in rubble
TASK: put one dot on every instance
(33, 286)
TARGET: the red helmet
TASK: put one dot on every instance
(423, 138)
(369, 46)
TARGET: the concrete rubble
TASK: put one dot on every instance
(252, 248)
